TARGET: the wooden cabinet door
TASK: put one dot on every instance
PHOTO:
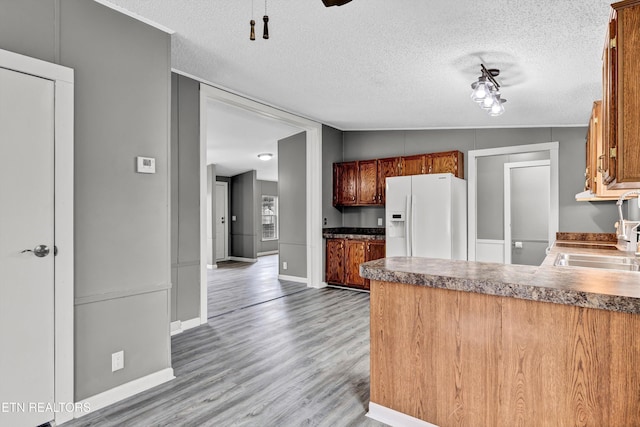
(626, 73)
(345, 179)
(375, 249)
(335, 261)
(386, 168)
(593, 144)
(367, 182)
(413, 165)
(446, 162)
(610, 83)
(354, 256)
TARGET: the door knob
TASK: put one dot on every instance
(39, 251)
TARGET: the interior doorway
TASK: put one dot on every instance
(527, 212)
(221, 221)
(486, 197)
(313, 167)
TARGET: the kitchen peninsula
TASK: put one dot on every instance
(481, 344)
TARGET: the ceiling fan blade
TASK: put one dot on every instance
(329, 3)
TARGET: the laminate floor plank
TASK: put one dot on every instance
(296, 359)
(235, 285)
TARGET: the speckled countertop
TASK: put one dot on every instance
(357, 233)
(582, 287)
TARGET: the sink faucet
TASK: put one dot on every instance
(624, 240)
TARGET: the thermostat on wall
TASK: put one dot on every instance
(145, 165)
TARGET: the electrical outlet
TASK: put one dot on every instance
(117, 361)
(285, 265)
(379, 221)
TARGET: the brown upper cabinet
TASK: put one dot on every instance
(386, 168)
(368, 182)
(413, 165)
(621, 102)
(450, 161)
(345, 183)
(362, 183)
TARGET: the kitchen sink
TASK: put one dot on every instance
(598, 261)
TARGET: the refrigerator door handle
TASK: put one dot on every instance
(413, 224)
(407, 225)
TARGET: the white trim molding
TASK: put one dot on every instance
(179, 326)
(551, 147)
(63, 79)
(394, 418)
(293, 279)
(314, 178)
(124, 391)
(267, 253)
(135, 16)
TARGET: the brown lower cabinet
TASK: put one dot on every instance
(344, 257)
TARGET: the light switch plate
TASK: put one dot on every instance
(379, 221)
(145, 165)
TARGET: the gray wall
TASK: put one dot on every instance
(122, 108)
(185, 198)
(292, 192)
(574, 216)
(266, 188)
(244, 188)
(331, 153)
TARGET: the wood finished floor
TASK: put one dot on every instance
(297, 359)
(235, 285)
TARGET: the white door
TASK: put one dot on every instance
(529, 229)
(221, 221)
(26, 248)
(431, 216)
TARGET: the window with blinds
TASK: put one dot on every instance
(269, 217)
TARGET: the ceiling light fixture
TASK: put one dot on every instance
(486, 91)
(265, 156)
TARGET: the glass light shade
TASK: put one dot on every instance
(497, 108)
(265, 156)
(488, 102)
(480, 90)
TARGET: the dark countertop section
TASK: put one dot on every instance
(583, 287)
(357, 233)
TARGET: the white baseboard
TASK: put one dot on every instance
(237, 258)
(267, 253)
(212, 266)
(394, 418)
(124, 391)
(293, 278)
(191, 323)
(176, 327)
(179, 326)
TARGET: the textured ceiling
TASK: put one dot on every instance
(380, 64)
(235, 137)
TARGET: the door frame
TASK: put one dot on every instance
(226, 222)
(553, 216)
(551, 147)
(63, 79)
(313, 130)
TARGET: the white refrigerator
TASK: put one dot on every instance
(426, 216)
